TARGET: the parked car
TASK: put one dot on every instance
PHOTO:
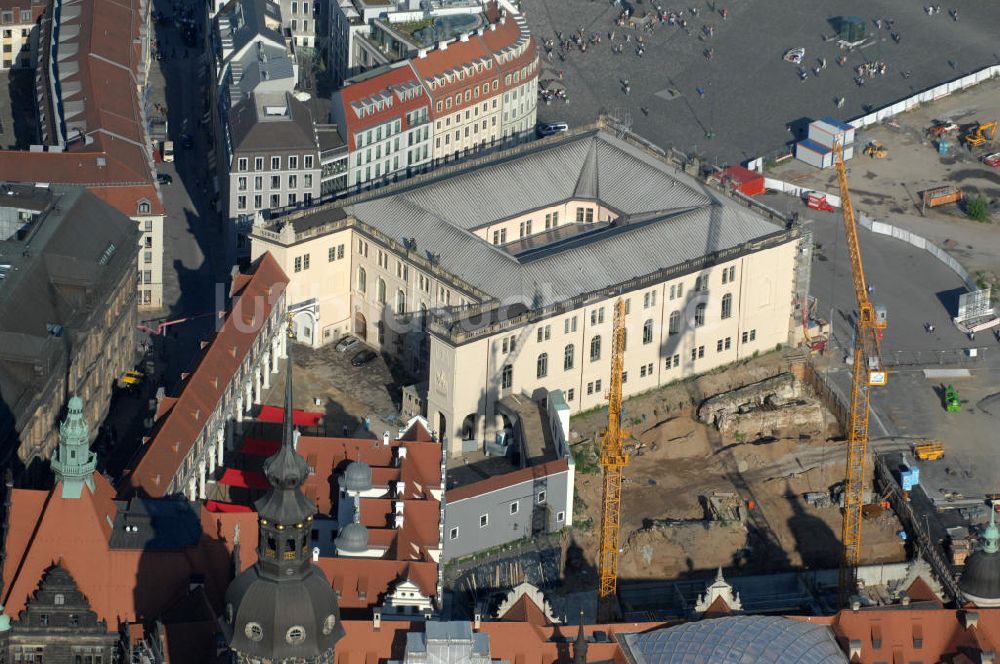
(164, 178)
(551, 129)
(363, 358)
(168, 151)
(992, 160)
(347, 343)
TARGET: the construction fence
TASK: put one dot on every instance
(917, 529)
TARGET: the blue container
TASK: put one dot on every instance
(943, 147)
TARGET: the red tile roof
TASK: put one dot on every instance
(352, 577)
(525, 610)
(913, 633)
(115, 164)
(120, 584)
(387, 87)
(509, 479)
(163, 456)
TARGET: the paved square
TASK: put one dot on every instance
(750, 93)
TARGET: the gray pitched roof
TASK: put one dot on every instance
(252, 130)
(666, 218)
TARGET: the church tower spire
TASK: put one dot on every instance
(283, 609)
(73, 462)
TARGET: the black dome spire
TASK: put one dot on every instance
(283, 609)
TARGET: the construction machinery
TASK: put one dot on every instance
(876, 150)
(613, 461)
(982, 134)
(952, 403)
(942, 128)
(868, 372)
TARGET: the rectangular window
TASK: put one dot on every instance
(590, 215)
(275, 182)
(242, 163)
(308, 161)
(241, 202)
(597, 386)
(677, 359)
(293, 181)
(701, 352)
(484, 520)
(275, 163)
(293, 162)
(298, 263)
(590, 388)
(744, 338)
(569, 325)
(718, 346)
(570, 393)
(453, 533)
(728, 341)
(258, 163)
(753, 334)
(514, 507)
(560, 517)
(579, 215)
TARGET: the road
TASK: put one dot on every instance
(193, 275)
(751, 94)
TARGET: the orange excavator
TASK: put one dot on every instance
(981, 135)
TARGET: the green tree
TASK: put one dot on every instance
(978, 209)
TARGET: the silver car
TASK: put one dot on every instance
(347, 343)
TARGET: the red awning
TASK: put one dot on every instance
(260, 446)
(215, 506)
(301, 418)
(245, 479)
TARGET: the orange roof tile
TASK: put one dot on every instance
(120, 584)
(525, 610)
(365, 91)
(374, 577)
(162, 457)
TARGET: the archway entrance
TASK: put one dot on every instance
(360, 326)
(469, 427)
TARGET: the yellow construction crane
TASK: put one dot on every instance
(868, 372)
(613, 460)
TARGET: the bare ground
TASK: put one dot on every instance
(676, 461)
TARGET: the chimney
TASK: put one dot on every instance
(855, 605)
(443, 45)
(315, 554)
(971, 619)
(385, 439)
(477, 621)
(855, 650)
(377, 619)
(904, 599)
(397, 521)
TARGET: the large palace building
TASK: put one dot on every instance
(498, 277)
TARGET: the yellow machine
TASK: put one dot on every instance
(613, 460)
(876, 150)
(982, 134)
(132, 378)
(929, 451)
(868, 372)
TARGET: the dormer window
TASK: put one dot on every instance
(144, 207)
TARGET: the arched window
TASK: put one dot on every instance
(542, 366)
(507, 377)
(380, 292)
(569, 354)
(400, 302)
(362, 280)
(699, 315)
(727, 306)
(675, 322)
(144, 207)
(647, 331)
(595, 348)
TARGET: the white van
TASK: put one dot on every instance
(168, 151)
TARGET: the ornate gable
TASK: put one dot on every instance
(58, 604)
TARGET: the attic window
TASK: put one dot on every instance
(144, 207)
(59, 599)
(275, 111)
(108, 253)
(101, 161)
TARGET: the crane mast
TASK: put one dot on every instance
(867, 373)
(613, 460)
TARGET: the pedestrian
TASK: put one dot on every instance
(701, 92)
(871, 289)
